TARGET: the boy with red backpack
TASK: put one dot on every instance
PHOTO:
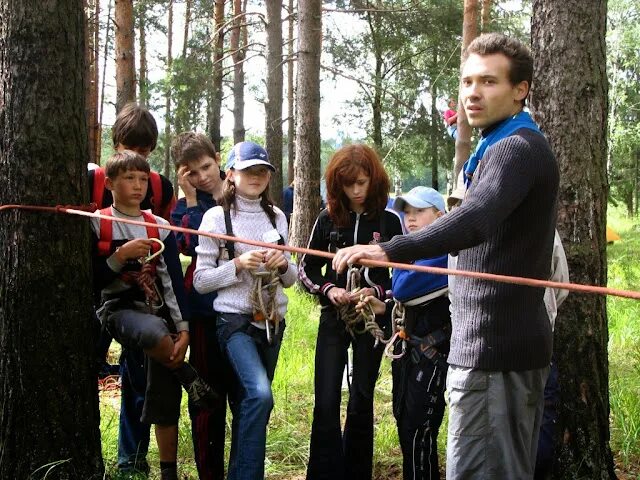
(135, 129)
(133, 268)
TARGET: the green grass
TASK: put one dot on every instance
(289, 428)
(624, 341)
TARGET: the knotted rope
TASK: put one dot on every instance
(398, 331)
(266, 312)
(352, 318)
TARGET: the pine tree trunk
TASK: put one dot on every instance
(144, 82)
(291, 114)
(167, 106)
(374, 28)
(238, 56)
(92, 10)
(463, 138)
(273, 104)
(485, 16)
(570, 82)
(49, 420)
(306, 200)
(107, 42)
(187, 25)
(434, 129)
(215, 96)
(125, 54)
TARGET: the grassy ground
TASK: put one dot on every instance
(288, 439)
(624, 345)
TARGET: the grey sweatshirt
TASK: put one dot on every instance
(506, 226)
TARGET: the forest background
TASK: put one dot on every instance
(385, 70)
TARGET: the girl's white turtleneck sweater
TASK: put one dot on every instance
(213, 273)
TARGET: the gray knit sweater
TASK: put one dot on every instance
(505, 226)
(212, 273)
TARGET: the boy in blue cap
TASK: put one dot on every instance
(422, 315)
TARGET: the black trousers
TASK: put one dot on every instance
(335, 454)
(208, 426)
(418, 405)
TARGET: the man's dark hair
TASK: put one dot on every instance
(125, 161)
(520, 59)
(135, 127)
(191, 146)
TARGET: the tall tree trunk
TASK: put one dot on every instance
(291, 114)
(570, 81)
(143, 77)
(306, 200)
(215, 96)
(92, 10)
(273, 104)
(485, 16)
(435, 120)
(125, 54)
(463, 138)
(374, 27)
(167, 106)
(187, 24)
(238, 55)
(49, 420)
(107, 42)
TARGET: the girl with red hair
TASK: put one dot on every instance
(357, 193)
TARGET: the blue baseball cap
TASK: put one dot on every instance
(420, 197)
(247, 154)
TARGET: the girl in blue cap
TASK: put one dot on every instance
(249, 334)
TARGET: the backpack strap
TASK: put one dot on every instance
(97, 193)
(152, 232)
(156, 192)
(229, 245)
(106, 232)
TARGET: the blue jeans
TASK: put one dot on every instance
(254, 362)
(133, 435)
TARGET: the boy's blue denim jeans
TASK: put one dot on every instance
(133, 435)
(253, 360)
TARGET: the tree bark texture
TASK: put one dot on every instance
(166, 171)
(107, 42)
(125, 54)
(49, 420)
(570, 81)
(374, 21)
(433, 134)
(273, 104)
(238, 55)
(216, 94)
(143, 86)
(291, 114)
(485, 16)
(463, 138)
(92, 10)
(306, 200)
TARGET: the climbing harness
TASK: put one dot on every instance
(398, 327)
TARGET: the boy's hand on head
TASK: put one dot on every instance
(250, 260)
(186, 185)
(181, 342)
(377, 305)
(133, 249)
(338, 296)
(276, 259)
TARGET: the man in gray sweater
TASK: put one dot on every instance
(501, 341)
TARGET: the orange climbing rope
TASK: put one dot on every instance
(89, 211)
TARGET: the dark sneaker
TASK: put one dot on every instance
(201, 394)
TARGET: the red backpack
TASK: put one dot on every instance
(99, 179)
(106, 232)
